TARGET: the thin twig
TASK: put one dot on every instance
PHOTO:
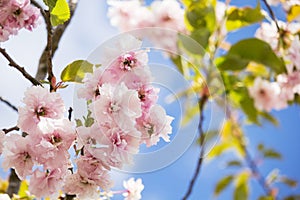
(13, 64)
(14, 183)
(272, 15)
(56, 37)
(7, 130)
(201, 155)
(70, 113)
(36, 4)
(9, 104)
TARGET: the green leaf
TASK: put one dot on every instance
(88, 120)
(266, 198)
(269, 117)
(271, 153)
(288, 181)
(78, 122)
(234, 163)
(241, 188)
(191, 45)
(223, 184)
(294, 13)
(240, 17)
(247, 50)
(23, 188)
(50, 3)
(201, 14)
(292, 197)
(190, 113)
(218, 149)
(60, 13)
(247, 105)
(75, 71)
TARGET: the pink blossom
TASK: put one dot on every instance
(289, 84)
(129, 15)
(266, 95)
(155, 125)
(2, 139)
(148, 96)
(134, 189)
(92, 169)
(17, 155)
(50, 145)
(118, 104)
(121, 144)
(273, 2)
(47, 183)
(293, 55)
(39, 102)
(83, 188)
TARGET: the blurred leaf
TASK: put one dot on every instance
(240, 17)
(3, 186)
(241, 186)
(191, 45)
(201, 35)
(247, 105)
(23, 188)
(177, 61)
(257, 69)
(292, 197)
(247, 50)
(60, 13)
(88, 120)
(190, 112)
(260, 147)
(269, 117)
(271, 153)
(272, 176)
(218, 149)
(266, 198)
(234, 163)
(288, 181)
(222, 184)
(293, 13)
(75, 71)
(200, 14)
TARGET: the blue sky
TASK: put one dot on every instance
(89, 28)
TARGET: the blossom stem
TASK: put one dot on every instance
(9, 104)
(201, 104)
(272, 14)
(13, 64)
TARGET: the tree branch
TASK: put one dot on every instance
(15, 128)
(13, 64)
(9, 104)
(201, 104)
(272, 15)
(14, 183)
(56, 37)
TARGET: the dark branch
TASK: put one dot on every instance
(70, 113)
(15, 128)
(14, 183)
(13, 64)
(9, 104)
(56, 37)
(272, 14)
(202, 139)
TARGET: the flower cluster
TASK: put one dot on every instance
(123, 107)
(15, 15)
(286, 43)
(168, 14)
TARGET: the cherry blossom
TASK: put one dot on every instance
(289, 84)
(134, 189)
(39, 102)
(118, 104)
(47, 183)
(17, 155)
(266, 95)
(155, 125)
(2, 138)
(4, 197)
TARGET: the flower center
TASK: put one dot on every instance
(114, 107)
(128, 62)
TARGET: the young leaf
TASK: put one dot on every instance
(23, 191)
(294, 13)
(240, 17)
(288, 181)
(241, 187)
(271, 153)
(223, 184)
(60, 13)
(235, 163)
(292, 197)
(50, 3)
(247, 50)
(218, 149)
(75, 71)
(266, 198)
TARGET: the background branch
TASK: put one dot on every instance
(272, 15)
(201, 104)
(13, 64)
(56, 37)
(9, 104)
